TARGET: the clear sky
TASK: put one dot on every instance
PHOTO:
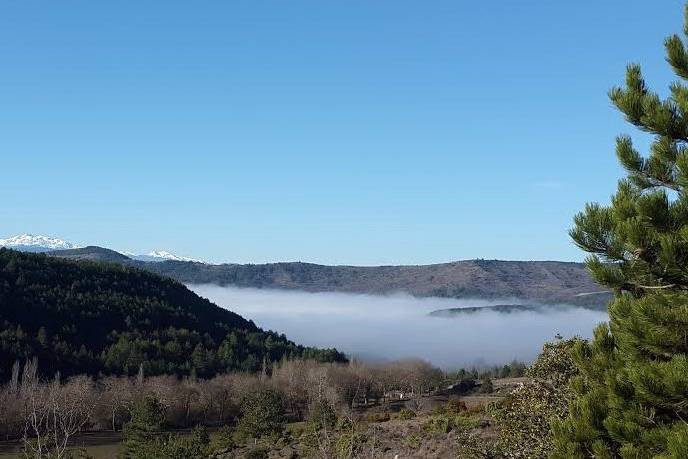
(352, 132)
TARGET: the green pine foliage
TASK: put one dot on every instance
(144, 437)
(632, 396)
(85, 317)
(262, 413)
(142, 431)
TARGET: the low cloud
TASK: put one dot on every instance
(398, 326)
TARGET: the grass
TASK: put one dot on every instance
(100, 445)
(105, 451)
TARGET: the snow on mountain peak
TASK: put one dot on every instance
(160, 255)
(33, 243)
(37, 243)
(169, 256)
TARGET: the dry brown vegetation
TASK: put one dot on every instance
(48, 413)
(406, 408)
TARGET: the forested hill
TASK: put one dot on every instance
(538, 281)
(91, 317)
(547, 282)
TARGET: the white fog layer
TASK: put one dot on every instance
(398, 326)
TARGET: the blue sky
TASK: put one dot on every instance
(349, 132)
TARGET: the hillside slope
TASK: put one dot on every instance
(81, 316)
(538, 281)
(547, 282)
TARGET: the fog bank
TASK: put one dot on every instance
(398, 326)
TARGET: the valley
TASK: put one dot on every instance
(545, 282)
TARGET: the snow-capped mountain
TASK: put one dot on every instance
(160, 255)
(32, 243)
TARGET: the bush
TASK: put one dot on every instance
(322, 414)
(349, 445)
(377, 417)
(555, 363)
(412, 441)
(466, 422)
(187, 447)
(472, 445)
(525, 416)
(446, 423)
(224, 438)
(200, 434)
(438, 424)
(486, 387)
(453, 406)
(405, 414)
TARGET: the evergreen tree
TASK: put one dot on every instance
(632, 396)
(144, 439)
(142, 431)
(262, 413)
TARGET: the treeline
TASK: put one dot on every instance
(513, 369)
(106, 403)
(96, 318)
(315, 409)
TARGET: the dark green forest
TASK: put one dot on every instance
(99, 318)
(542, 282)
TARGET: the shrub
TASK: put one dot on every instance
(412, 441)
(224, 438)
(322, 414)
(438, 424)
(405, 414)
(200, 434)
(466, 422)
(349, 445)
(525, 416)
(453, 406)
(555, 363)
(377, 417)
(445, 423)
(486, 387)
(472, 445)
(187, 447)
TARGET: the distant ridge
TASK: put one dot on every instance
(161, 255)
(40, 244)
(544, 282)
(92, 253)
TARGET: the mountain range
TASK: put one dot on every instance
(541, 282)
(31, 243)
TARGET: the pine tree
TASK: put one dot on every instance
(142, 431)
(632, 396)
(262, 414)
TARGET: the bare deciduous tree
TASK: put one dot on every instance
(53, 412)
